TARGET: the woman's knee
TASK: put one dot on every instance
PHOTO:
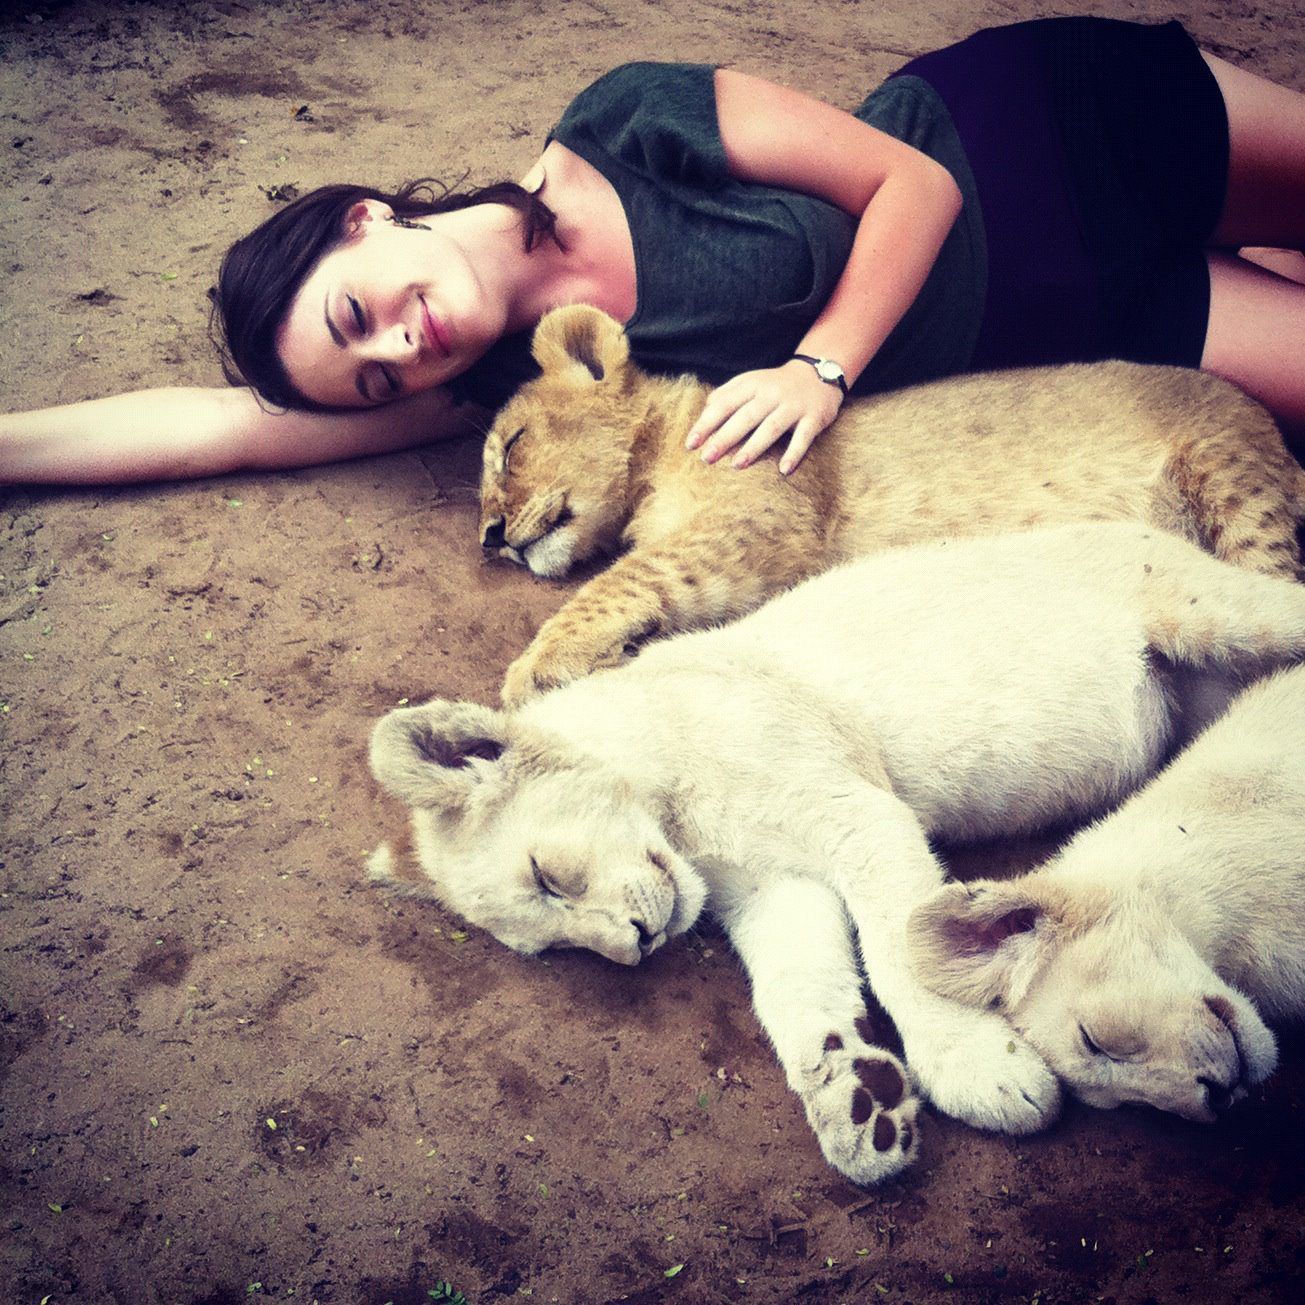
(1255, 336)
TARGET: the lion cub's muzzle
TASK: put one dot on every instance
(493, 540)
(649, 942)
(539, 542)
(493, 535)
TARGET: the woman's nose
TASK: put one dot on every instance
(394, 344)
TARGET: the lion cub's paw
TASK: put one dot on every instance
(565, 652)
(520, 684)
(988, 1076)
(536, 672)
(858, 1099)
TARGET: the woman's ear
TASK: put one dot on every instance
(365, 210)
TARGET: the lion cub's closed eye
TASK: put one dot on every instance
(1112, 1043)
(557, 884)
(589, 459)
(548, 885)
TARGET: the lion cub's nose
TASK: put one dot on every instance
(1219, 1097)
(492, 536)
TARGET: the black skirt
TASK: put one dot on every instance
(1100, 154)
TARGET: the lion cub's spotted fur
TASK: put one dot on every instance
(589, 458)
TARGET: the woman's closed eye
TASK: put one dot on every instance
(376, 382)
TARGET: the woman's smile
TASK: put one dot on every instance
(436, 333)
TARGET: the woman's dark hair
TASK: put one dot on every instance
(262, 272)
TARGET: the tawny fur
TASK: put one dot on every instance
(790, 771)
(589, 459)
(1135, 960)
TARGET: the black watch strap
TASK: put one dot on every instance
(827, 369)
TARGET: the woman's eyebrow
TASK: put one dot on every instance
(330, 325)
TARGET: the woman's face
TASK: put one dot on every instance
(390, 311)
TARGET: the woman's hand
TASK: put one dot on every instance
(758, 408)
(904, 204)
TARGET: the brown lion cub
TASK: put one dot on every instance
(589, 458)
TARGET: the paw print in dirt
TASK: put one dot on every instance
(859, 1100)
(307, 1132)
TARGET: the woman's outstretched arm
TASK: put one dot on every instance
(184, 433)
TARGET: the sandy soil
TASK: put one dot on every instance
(230, 1070)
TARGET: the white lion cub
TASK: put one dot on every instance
(1128, 959)
(789, 771)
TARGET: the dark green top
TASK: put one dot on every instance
(730, 274)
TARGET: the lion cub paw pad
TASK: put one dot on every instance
(862, 1110)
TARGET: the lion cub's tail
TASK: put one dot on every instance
(1245, 494)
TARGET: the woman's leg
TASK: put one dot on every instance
(1265, 202)
(1256, 332)
(1256, 337)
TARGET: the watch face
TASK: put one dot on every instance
(828, 370)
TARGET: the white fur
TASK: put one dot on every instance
(1154, 933)
(788, 772)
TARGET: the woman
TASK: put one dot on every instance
(1072, 188)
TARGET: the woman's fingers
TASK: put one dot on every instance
(770, 430)
(803, 437)
(735, 429)
(758, 409)
(723, 401)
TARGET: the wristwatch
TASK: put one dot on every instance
(827, 369)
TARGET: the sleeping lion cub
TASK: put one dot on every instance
(1135, 960)
(589, 458)
(790, 772)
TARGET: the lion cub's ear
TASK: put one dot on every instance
(582, 341)
(435, 755)
(981, 942)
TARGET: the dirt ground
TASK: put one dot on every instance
(228, 1068)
